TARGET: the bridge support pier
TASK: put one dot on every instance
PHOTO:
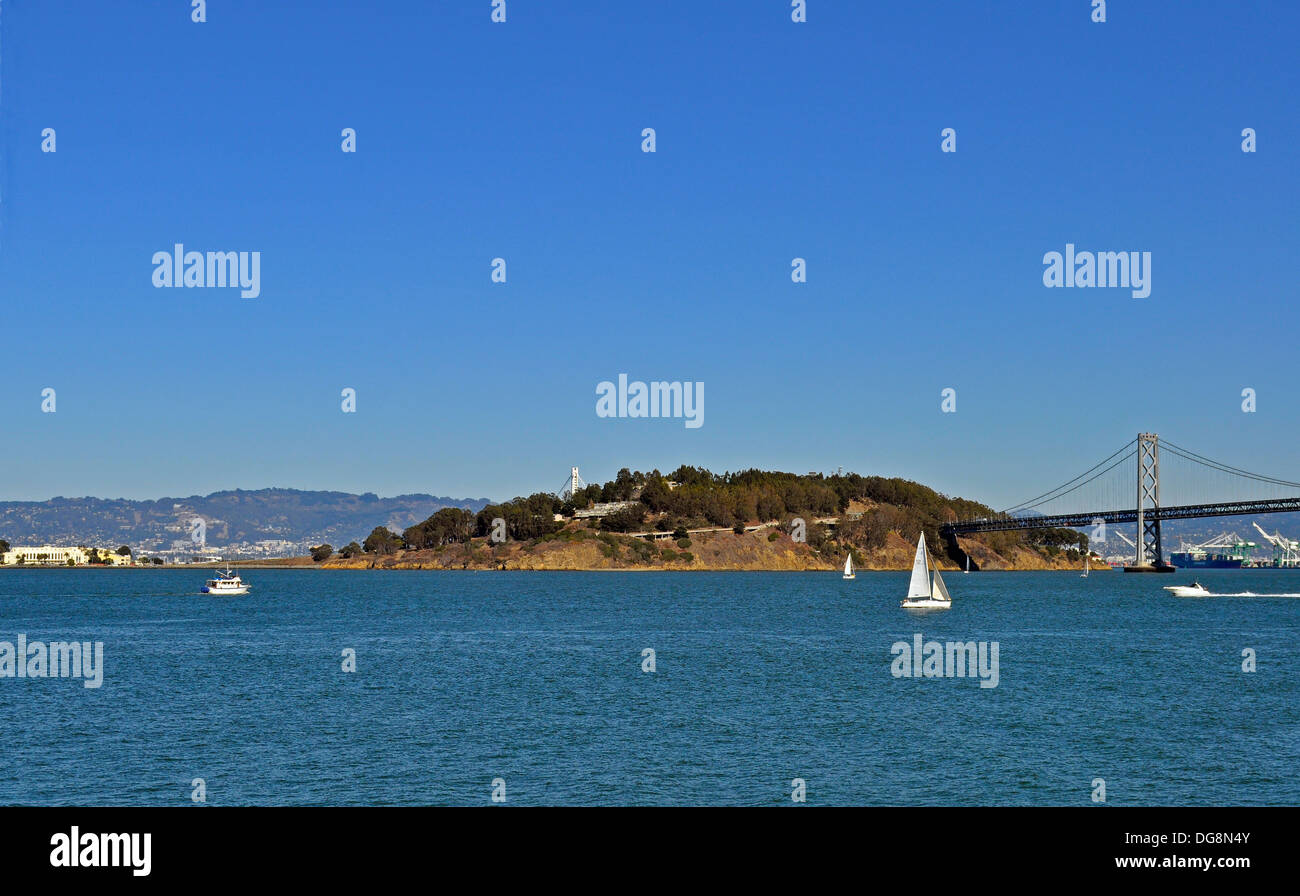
(1150, 557)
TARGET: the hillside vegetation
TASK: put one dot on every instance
(695, 519)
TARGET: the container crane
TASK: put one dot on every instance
(1286, 552)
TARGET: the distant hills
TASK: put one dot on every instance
(1287, 524)
(263, 522)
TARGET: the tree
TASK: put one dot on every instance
(124, 551)
(351, 549)
(629, 519)
(382, 541)
(448, 525)
(624, 483)
(656, 495)
(321, 552)
(4, 546)
(525, 518)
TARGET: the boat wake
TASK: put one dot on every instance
(1247, 594)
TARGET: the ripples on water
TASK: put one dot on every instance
(536, 678)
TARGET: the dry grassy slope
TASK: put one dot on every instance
(711, 551)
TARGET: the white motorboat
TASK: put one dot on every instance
(926, 589)
(1196, 589)
(226, 583)
(848, 566)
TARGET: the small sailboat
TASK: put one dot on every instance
(966, 571)
(1084, 574)
(848, 566)
(926, 589)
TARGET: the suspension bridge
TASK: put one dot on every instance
(1199, 487)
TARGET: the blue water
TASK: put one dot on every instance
(535, 678)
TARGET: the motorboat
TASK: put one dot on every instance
(228, 583)
(1196, 589)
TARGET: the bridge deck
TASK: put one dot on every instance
(1083, 520)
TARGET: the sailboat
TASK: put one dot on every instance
(848, 566)
(1084, 574)
(926, 589)
(966, 571)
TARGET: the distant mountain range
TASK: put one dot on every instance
(265, 522)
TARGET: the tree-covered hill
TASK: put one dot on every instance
(838, 512)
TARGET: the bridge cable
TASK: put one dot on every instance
(1224, 468)
(1122, 460)
(1033, 502)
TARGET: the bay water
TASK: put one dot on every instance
(538, 681)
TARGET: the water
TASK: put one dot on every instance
(535, 678)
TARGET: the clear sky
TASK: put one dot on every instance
(522, 140)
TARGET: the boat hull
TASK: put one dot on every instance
(926, 604)
(226, 591)
(1186, 591)
(1187, 560)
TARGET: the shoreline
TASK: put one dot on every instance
(195, 567)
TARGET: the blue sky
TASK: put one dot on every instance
(523, 140)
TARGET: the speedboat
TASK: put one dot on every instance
(1196, 589)
(226, 583)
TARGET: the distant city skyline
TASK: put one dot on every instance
(775, 143)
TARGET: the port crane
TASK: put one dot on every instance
(1114, 530)
(1286, 551)
(1229, 542)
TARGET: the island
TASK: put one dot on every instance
(693, 519)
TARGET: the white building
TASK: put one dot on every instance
(51, 555)
(599, 510)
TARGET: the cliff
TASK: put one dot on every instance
(577, 547)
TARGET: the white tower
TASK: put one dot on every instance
(573, 485)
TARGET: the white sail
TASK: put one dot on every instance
(848, 565)
(920, 584)
(940, 590)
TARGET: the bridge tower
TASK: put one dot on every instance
(1150, 557)
(572, 485)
